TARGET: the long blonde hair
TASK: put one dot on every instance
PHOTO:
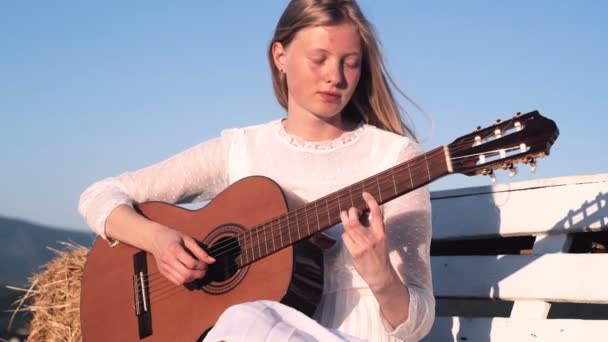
(373, 100)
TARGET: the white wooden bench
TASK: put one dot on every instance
(551, 216)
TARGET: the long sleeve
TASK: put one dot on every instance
(197, 173)
(408, 229)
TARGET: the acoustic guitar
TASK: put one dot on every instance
(262, 248)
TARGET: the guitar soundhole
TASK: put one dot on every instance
(225, 274)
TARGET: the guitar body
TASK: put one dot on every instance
(124, 297)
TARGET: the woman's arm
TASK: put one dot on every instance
(107, 206)
(392, 254)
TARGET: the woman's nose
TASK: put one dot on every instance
(334, 74)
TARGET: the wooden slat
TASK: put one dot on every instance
(552, 277)
(569, 204)
(458, 329)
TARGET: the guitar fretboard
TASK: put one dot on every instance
(318, 215)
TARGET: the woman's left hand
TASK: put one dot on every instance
(367, 245)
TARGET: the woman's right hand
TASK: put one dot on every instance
(178, 256)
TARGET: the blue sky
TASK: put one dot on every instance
(91, 90)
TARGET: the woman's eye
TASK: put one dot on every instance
(318, 60)
(352, 63)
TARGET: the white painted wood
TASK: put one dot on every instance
(527, 309)
(546, 208)
(551, 277)
(523, 185)
(523, 330)
(554, 243)
(569, 204)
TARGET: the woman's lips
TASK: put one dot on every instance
(329, 96)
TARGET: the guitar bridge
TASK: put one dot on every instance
(141, 294)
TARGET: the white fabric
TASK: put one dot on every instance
(271, 322)
(305, 171)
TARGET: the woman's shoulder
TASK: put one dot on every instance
(383, 137)
(253, 131)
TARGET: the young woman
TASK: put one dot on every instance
(342, 125)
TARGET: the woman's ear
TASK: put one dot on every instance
(278, 56)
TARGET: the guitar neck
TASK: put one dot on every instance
(318, 215)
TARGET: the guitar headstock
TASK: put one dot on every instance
(521, 139)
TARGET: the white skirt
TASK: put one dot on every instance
(271, 321)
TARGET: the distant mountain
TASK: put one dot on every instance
(24, 248)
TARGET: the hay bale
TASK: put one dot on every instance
(54, 297)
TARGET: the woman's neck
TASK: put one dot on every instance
(312, 128)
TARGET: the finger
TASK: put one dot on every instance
(350, 245)
(353, 227)
(198, 252)
(185, 274)
(376, 217)
(184, 263)
(172, 275)
(188, 259)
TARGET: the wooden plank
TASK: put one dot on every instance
(576, 278)
(459, 329)
(530, 309)
(572, 204)
(556, 243)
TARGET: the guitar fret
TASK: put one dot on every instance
(379, 191)
(251, 244)
(394, 183)
(328, 213)
(274, 248)
(280, 233)
(298, 225)
(317, 213)
(265, 238)
(244, 256)
(307, 224)
(427, 166)
(409, 168)
(289, 229)
(258, 243)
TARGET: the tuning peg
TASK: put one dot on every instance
(533, 165)
(477, 129)
(517, 126)
(490, 173)
(512, 170)
(498, 133)
(518, 114)
(497, 121)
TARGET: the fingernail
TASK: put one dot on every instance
(212, 259)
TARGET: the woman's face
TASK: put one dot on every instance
(322, 65)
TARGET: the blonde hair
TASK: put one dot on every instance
(373, 100)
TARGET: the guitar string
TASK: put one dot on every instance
(166, 293)
(298, 215)
(410, 164)
(454, 147)
(255, 232)
(172, 286)
(387, 173)
(304, 215)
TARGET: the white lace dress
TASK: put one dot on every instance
(305, 171)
